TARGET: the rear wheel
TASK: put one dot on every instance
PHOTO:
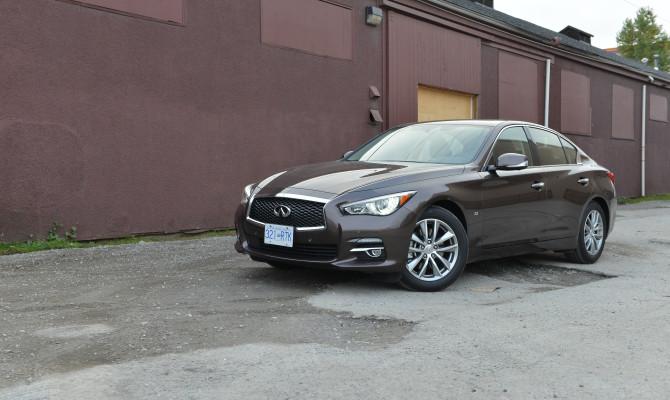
(591, 240)
(438, 251)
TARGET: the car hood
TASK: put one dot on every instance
(329, 180)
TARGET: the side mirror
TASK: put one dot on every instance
(511, 162)
(347, 154)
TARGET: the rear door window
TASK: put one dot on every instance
(548, 146)
(570, 151)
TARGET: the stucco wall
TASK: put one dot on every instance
(621, 156)
(119, 125)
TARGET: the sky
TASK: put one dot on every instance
(601, 18)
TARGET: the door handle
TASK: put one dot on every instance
(538, 186)
(584, 181)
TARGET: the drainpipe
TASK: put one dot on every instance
(547, 80)
(644, 134)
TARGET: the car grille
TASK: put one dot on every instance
(304, 214)
(311, 252)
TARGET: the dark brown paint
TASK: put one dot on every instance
(518, 88)
(423, 53)
(170, 11)
(317, 27)
(623, 112)
(501, 210)
(123, 126)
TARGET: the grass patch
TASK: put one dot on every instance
(635, 200)
(39, 245)
(56, 242)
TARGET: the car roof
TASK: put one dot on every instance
(480, 122)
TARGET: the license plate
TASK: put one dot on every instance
(279, 235)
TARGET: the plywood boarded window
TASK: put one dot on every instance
(420, 53)
(575, 103)
(437, 104)
(313, 26)
(518, 86)
(623, 112)
(658, 108)
(170, 11)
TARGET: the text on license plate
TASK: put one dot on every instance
(279, 235)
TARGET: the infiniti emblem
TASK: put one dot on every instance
(282, 211)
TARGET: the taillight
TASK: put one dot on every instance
(611, 176)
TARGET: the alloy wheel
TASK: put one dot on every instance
(433, 250)
(593, 232)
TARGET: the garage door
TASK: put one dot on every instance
(435, 104)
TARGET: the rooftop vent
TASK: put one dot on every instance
(487, 3)
(578, 34)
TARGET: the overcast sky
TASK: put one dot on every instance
(601, 18)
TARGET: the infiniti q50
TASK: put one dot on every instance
(420, 201)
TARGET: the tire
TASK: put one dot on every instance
(592, 235)
(438, 252)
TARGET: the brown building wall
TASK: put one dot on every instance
(488, 100)
(423, 53)
(621, 156)
(658, 148)
(121, 125)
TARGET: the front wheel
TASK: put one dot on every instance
(591, 240)
(438, 251)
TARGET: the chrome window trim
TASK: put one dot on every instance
(490, 154)
(544, 128)
(560, 136)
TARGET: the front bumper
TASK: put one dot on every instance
(342, 244)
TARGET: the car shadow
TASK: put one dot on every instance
(317, 278)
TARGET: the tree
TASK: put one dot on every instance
(643, 38)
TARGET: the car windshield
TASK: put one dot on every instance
(426, 143)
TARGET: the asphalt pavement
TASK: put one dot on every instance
(194, 319)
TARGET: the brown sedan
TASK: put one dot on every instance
(421, 200)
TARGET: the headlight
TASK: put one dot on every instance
(247, 193)
(383, 205)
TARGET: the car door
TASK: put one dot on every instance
(514, 202)
(568, 184)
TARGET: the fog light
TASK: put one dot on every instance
(369, 249)
(374, 253)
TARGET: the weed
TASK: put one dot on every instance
(72, 234)
(634, 200)
(53, 235)
(53, 241)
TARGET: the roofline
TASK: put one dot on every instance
(577, 30)
(501, 27)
